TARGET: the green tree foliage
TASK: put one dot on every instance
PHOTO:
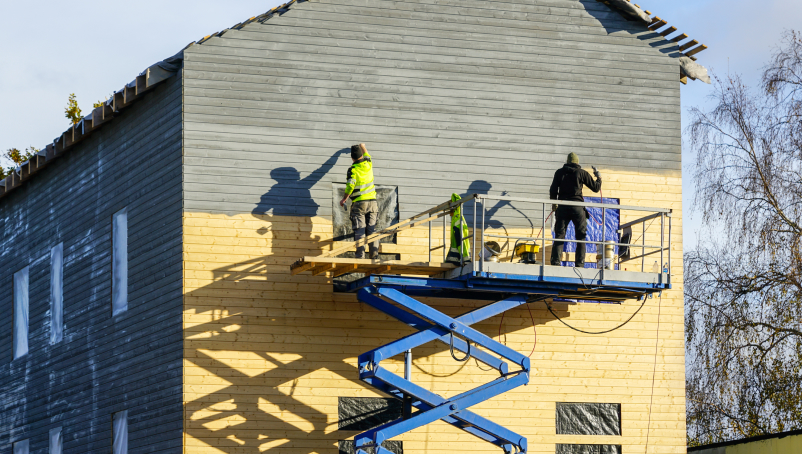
(100, 103)
(16, 157)
(743, 287)
(72, 111)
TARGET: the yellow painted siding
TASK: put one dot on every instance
(267, 354)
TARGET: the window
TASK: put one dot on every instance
(588, 449)
(55, 441)
(57, 294)
(22, 447)
(119, 267)
(588, 419)
(364, 413)
(120, 432)
(21, 313)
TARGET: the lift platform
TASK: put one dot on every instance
(393, 286)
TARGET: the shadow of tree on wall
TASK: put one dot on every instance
(268, 355)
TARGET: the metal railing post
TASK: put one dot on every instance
(604, 249)
(430, 241)
(662, 244)
(543, 240)
(482, 243)
(474, 253)
(669, 247)
(445, 247)
(643, 248)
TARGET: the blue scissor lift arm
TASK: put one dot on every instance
(392, 295)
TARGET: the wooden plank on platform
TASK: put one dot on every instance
(323, 268)
(344, 269)
(303, 266)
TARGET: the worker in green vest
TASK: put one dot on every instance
(361, 190)
(460, 243)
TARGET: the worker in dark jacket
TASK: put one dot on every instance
(567, 185)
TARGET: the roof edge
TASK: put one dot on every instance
(114, 106)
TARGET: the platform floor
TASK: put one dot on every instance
(340, 266)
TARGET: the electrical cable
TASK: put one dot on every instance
(632, 243)
(544, 225)
(654, 371)
(534, 328)
(548, 306)
(467, 355)
(581, 279)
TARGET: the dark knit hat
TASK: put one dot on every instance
(572, 158)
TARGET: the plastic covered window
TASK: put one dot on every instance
(21, 313)
(119, 267)
(57, 294)
(588, 419)
(120, 432)
(588, 449)
(55, 441)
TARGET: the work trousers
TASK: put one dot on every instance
(364, 215)
(563, 216)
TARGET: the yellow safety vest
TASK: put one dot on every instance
(360, 180)
(460, 244)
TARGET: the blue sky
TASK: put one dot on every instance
(93, 47)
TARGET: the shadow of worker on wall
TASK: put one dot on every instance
(292, 195)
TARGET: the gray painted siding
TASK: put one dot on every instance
(134, 360)
(450, 96)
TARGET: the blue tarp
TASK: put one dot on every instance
(612, 218)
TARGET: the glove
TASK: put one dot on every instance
(553, 207)
(596, 172)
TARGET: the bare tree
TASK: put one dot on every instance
(743, 292)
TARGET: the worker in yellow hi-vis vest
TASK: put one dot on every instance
(362, 191)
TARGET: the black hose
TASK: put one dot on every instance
(467, 355)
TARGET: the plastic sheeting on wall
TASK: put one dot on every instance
(21, 313)
(348, 447)
(612, 219)
(588, 419)
(22, 447)
(119, 280)
(363, 413)
(386, 198)
(588, 449)
(57, 294)
(120, 435)
(55, 441)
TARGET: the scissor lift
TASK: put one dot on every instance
(507, 285)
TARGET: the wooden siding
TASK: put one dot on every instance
(104, 364)
(499, 92)
(449, 96)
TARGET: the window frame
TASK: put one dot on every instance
(119, 286)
